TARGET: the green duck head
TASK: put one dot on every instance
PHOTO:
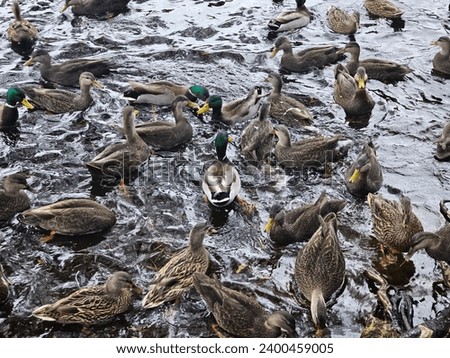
(16, 95)
(214, 102)
(221, 143)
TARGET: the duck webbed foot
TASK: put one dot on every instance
(48, 237)
(247, 207)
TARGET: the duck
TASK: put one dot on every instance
(96, 8)
(4, 287)
(443, 144)
(119, 159)
(364, 175)
(287, 110)
(376, 69)
(21, 33)
(441, 61)
(256, 138)
(13, 199)
(341, 21)
(236, 111)
(9, 113)
(291, 19)
(383, 8)
(436, 245)
(71, 217)
(60, 100)
(308, 151)
(320, 269)
(166, 134)
(351, 93)
(241, 315)
(394, 224)
(176, 276)
(297, 225)
(68, 72)
(93, 305)
(163, 93)
(308, 59)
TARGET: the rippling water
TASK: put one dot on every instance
(225, 48)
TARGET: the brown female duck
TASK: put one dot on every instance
(13, 199)
(320, 269)
(383, 8)
(441, 61)
(364, 175)
(287, 110)
(68, 72)
(176, 275)
(305, 60)
(22, 33)
(341, 21)
(92, 305)
(241, 315)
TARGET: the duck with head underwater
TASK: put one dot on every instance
(291, 19)
(22, 33)
(383, 8)
(237, 111)
(221, 182)
(96, 8)
(8, 111)
(241, 315)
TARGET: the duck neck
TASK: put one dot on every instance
(276, 87)
(179, 115)
(222, 153)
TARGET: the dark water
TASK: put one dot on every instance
(225, 48)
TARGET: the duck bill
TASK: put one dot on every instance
(268, 225)
(361, 83)
(136, 112)
(29, 62)
(434, 43)
(274, 52)
(193, 105)
(230, 139)
(27, 104)
(355, 176)
(97, 84)
(64, 8)
(204, 109)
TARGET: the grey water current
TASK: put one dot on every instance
(224, 46)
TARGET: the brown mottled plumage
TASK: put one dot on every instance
(22, 33)
(341, 21)
(13, 199)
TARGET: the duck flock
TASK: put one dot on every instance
(277, 133)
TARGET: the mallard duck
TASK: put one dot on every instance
(308, 151)
(241, 315)
(165, 134)
(96, 8)
(291, 19)
(364, 175)
(22, 33)
(92, 305)
(441, 61)
(341, 21)
(62, 101)
(436, 245)
(308, 59)
(285, 109)
(71, 217)
(239, 110)
(394, 223)
(320, 268)
(383, 8)
(120, 159)
(163, 93)
(443, 144)
(221, 182)
(351, 94)
(8, 111)
(376, 69)
(176, 275)
(286, 227)
(68, 73)
(4, 286)
(13, 199)
(256, 139)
